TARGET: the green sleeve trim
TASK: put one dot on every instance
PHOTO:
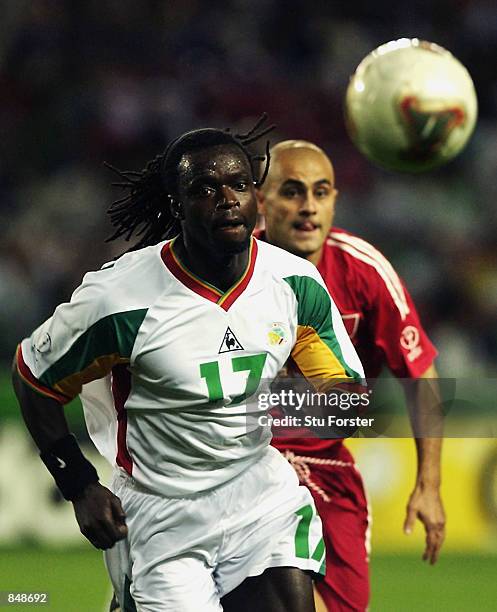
(314, 310)
(114, 334)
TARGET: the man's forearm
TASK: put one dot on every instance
(425, 503)
(59, 451)
(44, 416)
(98, 511)
(426, 416)
(429, 454)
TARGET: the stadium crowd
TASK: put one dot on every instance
(114, 80)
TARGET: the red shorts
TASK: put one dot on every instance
(341, 501)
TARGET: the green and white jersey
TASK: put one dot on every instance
(174, 359)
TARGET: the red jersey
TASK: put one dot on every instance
(378, 313)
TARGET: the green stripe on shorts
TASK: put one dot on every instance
(302, 537)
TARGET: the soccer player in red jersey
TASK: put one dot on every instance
(298, 203)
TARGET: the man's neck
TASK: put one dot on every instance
(222, 270)
(314, 258)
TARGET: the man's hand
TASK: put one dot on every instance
(426, 505)
(100, 516)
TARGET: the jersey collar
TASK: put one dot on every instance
(203, 288)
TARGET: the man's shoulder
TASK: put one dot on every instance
(128, 282)
(356, 253)
(131, 261)
(350, 244)
(369, 272)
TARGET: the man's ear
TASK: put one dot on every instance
(261, 202)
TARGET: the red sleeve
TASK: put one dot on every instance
(396, 328)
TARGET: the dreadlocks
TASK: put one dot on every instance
(145, 210)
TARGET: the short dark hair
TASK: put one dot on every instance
(145, 210)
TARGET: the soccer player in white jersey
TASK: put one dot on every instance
(166, 345)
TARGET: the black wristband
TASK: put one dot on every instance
(69, 467)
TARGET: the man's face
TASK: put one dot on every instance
(218, 200)
(298, 201)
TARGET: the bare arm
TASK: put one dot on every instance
(98, 511)
(427, 423)
(44, 417)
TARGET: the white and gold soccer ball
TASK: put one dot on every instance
(410, 106)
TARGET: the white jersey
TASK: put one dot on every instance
(174, 360)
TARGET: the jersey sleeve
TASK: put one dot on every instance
(322, 350)
(397, 330)
(80, 342)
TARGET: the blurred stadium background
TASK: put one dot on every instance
(84, 82)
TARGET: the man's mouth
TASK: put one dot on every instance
(305, 226)
(228, 223)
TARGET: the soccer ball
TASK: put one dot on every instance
(410, 106)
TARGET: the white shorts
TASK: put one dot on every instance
(185, 554)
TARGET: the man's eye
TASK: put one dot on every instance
(290, 193)
(322, 193)
(241, 186)
(204, 191)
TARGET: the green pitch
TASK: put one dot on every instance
(76, 581)
(457, 583)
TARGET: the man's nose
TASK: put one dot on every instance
(308, 205)
(229, 198)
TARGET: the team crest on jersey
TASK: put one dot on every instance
(43, 344)
(230, 342)
(277, 334)
(409, 341)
